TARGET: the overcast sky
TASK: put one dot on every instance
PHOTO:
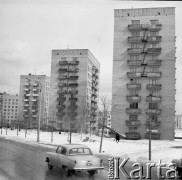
(29, 30)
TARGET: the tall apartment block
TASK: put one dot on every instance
(74, 87)
(34, 100)
(10, 110)
(143, 89)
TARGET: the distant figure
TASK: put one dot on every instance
(117, 137)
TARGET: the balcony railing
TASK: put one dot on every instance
(61, 99)
(153, 136)
(134, 27)
(134, 62)
(35, 106)
(133, 111)
(73, 70)
(134, 50)
(153, 124)
(61, 77)
(35, 84)
(72, 107)
(60, 114)
(133, 86)
(62, 70)
(154, 27)
(73, 84)
(134, 74)
(63, 62)
(35, 95)
(153, 99)
(153, 111)
(60, 106)
(27, 84)
(154, 39)
(26, 105)
(154, 50)
(26, 100)
(133, 123)
(154, 74)
(134, 98)
(73, 99)
(154, 62)
(34, 116)
(73, 77)
(35, 89)
(133, 135)
(34, 110)
(74, 62)
(27, 89)
(153, 86)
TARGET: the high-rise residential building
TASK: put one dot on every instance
(9, 110)
(143, 89)
(74, 89)
(34, 100)
(1, 109)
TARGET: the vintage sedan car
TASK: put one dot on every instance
(74, 157)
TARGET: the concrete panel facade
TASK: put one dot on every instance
(166, 68)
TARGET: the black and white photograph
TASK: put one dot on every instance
(90, 89)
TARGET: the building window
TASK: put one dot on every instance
(154, 22)
(134, 105)
(135, 21)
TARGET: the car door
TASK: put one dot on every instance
(62, 157)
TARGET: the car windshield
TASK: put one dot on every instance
(79, 151)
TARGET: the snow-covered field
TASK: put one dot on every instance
(135, 150)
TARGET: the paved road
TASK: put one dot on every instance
(25, 162)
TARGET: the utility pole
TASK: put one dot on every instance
(149, 140)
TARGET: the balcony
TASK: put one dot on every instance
(35, 89)
(134, 27)
(63, 62)
(153, 124)
(60, 114)
(134, 51)
(73, 99)
(61, 99)
(133, 135)
(73, 114)
(74, 70)
(26, 100)
(134, 39)
(25, 110)
(62, 70)
(73, 84)
(27, 89)
(74, 62)
(73, 77)
(134, 86)
(34, 116)
(35, 106)
(72, 107)
(35, 95)
(154, 136)
(27, 95)
(134, 74)
(154, 39)
(134, 62)
(132, 123)
(61, 92)
(60, 106)
(154, 27)
(25, 115)
(154, 62)
(153, 111)
(133, 111)
(34, 110)
(73, 91)
(133, 98)
(154, 74)
(26, 105)
(35, 84)
(60, 84)
(27, 84)
(61, 77)
(153, 99)
(156, 51)
(153, 86)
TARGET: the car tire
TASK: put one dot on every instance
(67, 171)
(49, 165)
(92, 173)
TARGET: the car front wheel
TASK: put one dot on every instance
(67, 171)
(92, 173)
(49, 165)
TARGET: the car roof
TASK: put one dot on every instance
(70, 146)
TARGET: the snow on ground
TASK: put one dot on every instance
(135, 150)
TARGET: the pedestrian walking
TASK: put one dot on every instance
(117, 137)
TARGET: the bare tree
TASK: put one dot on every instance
(104, 115)
(84, 112)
